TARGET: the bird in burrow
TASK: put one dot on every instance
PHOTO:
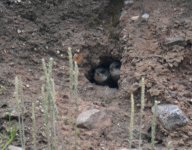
(114, 70)
(101, 76)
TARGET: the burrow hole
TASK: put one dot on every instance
(107, 73)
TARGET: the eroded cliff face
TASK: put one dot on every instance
(149, 39)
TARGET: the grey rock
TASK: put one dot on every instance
(92, 118)
(128, 2)
(171, 116)
(145, 16)
(11, 147)
(170, 41)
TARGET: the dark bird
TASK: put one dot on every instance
(114, 70)
(101, 76)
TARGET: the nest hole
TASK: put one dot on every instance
(106, 73)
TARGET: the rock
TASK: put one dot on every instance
(93, 118)
(19, 31)
(170, 41)
(11, 147)
(145, 16)
(134, 18)
(128, 2)
(171, 116)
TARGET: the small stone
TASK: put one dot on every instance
(11, 147)
(92, 118)
(134, 18)
(145, 16)
(19, 31)
(41, 109)
(171, 116)
(128, 2)
(170, 41)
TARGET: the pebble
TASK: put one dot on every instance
(92, 118)
(170, 41)
(171, 116)
(134, 18)
(128, 2)
(11, 147)
(27, 85)
(19, 31)
(145, 16)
